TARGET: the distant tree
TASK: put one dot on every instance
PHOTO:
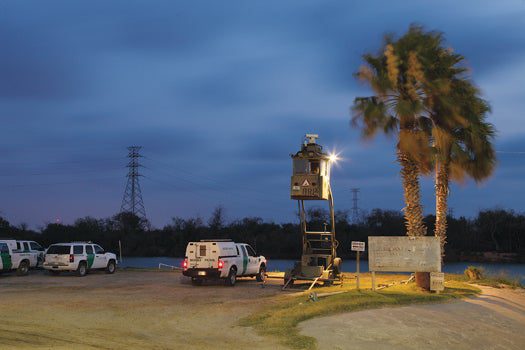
(129, 222)
(216, 221)
(4, 226)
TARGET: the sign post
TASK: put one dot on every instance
(357, 247)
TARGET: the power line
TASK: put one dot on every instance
(90, 180)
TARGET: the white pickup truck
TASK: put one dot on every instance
(212, 259)
(14, 259)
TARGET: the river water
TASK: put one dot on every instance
(510, 270)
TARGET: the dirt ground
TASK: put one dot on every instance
(494, 320)
(162, 310)
(128, 310)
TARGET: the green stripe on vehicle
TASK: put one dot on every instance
(90, 259)
(6, 261)
(244, 260)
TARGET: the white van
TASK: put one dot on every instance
(225, 259)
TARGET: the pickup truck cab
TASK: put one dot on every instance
(222, 259)
(32, 247)
(13, 259)
(79, 257)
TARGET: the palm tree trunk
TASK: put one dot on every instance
(413, 209)
(442, 171)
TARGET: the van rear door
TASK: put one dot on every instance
(202, 255)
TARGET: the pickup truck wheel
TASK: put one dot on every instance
(261, 276)
(81, 269)
(23, 268)
(112, 267)
(232, 277)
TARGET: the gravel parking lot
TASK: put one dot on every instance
(130, 309)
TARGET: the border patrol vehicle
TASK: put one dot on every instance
(32, 247)
(14, 259)
(222, 259)
(79, 257)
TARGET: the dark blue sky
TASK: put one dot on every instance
(219, 93)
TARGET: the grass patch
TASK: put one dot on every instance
(478, 275)
(280, 318)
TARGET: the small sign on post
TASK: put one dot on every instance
(357, 247)
(437, 281)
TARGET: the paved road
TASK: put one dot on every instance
(494, 320)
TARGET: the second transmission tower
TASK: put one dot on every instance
(355, 208)
(132, 201)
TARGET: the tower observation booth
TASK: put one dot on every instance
(310, 181)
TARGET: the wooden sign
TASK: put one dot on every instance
(358, 246)
(404, 254)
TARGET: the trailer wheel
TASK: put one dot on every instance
(81, 269)
(232, 277)
(23, 268)
(261, 276)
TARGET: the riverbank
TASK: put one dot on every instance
(504, 270)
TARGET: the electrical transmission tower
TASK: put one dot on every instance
(355, 208)
(132, 200)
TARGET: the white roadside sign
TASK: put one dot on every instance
(358, 246)
(437, 281)
(404, 254)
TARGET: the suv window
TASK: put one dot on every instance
(89, 249)
(98, 249)
(251, 252)
(3, 248)
(78, 249)
(18, 246)
(59, 249)
(26, 246)
(35, 246)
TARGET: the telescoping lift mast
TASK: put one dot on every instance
(311, 181)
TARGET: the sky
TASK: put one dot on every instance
(219, 94)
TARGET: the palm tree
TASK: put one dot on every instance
(399, 106)
(463, 149)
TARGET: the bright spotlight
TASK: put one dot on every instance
(333, 157)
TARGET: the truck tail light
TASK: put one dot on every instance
(185, 264)
(220, 264)
(71, 258)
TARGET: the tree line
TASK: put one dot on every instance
(494, 230)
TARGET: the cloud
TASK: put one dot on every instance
(219, 94)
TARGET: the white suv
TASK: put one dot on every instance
(79, 257)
